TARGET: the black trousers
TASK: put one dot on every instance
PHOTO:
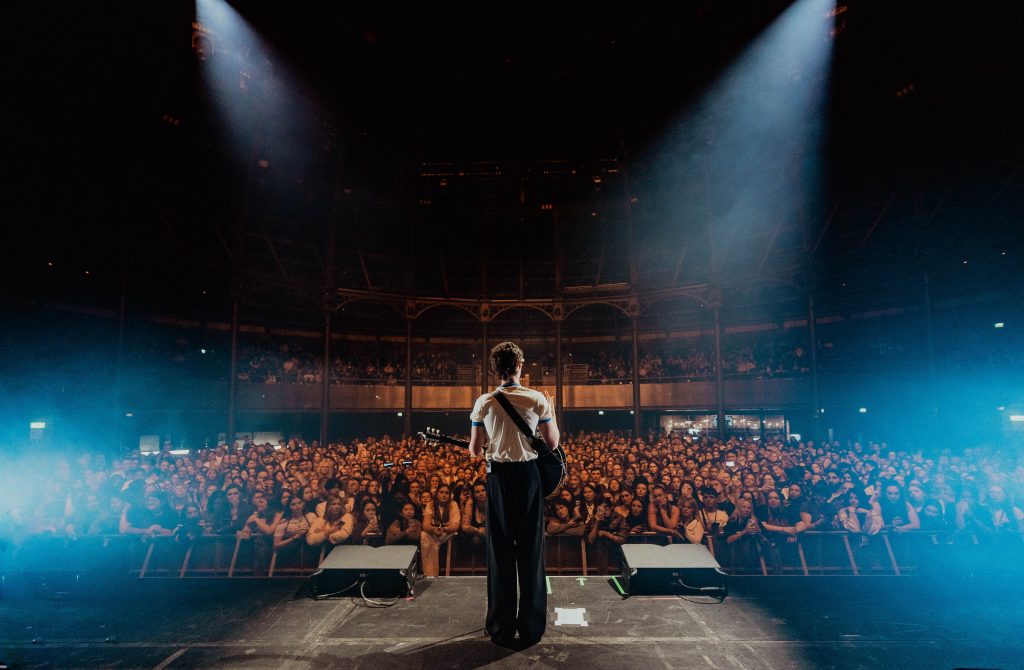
(515, 552)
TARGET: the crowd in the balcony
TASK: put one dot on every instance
(847, 345)
(278, 362)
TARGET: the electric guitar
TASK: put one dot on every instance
(551, 462)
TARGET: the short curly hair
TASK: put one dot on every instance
(505, 358)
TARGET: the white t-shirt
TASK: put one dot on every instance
(506, 443)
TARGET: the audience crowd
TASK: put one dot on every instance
(751, 500)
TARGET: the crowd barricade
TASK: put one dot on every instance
(251, 556)
(467, 557)
(812, 553)
(649, 538)
(828, 552)
(300, 559)
(565, 554)
(209, 556)
(163, 557)
(55, 553)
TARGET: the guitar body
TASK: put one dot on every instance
(550, 463)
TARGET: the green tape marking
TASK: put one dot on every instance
(618, 586)
(548, 580)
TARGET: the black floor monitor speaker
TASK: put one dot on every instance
(382, 572)
(678, 569)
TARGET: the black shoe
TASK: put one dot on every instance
(526, 642)
(509, 642)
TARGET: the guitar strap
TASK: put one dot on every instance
(519, 421)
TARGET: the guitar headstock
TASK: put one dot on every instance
(431, 436)
(435, 437)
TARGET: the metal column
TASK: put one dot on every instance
(559, 379)
(636, 378)
(484, 361)
(407, 424)
(719, 382)
(325, 397)
(229, 439)
(815, 393)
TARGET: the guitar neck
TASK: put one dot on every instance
(445, 439)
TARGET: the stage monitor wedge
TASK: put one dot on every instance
(678, 569)
(354, 570)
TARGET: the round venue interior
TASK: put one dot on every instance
(688, 338)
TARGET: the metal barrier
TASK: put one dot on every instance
(811, 553)
(565, 554)
(466, 557)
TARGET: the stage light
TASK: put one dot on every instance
(601, 412)
(769, 106)
(37, 425)
(863, 410)
(1017, 418)
(1000, 324)
(401, 413)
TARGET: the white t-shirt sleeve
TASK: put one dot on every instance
(476, 417)
(544, 408)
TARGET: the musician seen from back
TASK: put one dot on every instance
(515, 502)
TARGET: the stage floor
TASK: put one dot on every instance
(803, 622)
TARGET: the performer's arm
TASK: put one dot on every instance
(549, 431)
(477, 440)
(547, 427)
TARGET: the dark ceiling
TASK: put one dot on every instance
(511, 155)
